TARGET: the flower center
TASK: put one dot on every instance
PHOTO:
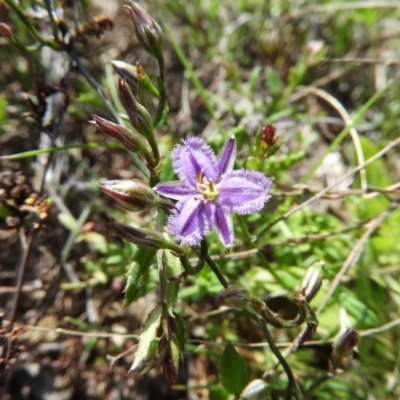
(206, 187)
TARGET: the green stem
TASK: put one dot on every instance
(54, 25)
(292, 388)
(15, 7)
(194, 270)
(162, 93)
(217, 272)
(85, 146)
(136, 160)
(245, 231)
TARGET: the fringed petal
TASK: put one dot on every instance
(227, 157)
(224, 225)
(193, 156)
(191, 220)
(174, 190)
(243, 192)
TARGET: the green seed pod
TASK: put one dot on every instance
(312, 280)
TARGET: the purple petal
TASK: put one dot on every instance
(192, 157)
(191, 220)
(227, 157)
(243, 192)
(174, 190)
(224, 225)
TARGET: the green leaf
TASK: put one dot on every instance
(172, 265)
(358, 310)
(3, 103)
(233, 371)
(4, 211)
(67, 220)
(273, 81)
(137, 275)
(148, 334)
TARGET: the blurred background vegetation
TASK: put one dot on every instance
(325, 75)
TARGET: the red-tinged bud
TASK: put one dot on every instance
(268, 137)
(138, 115)
(146, 238)
(343, 346)
(235, 296)
(5, 31)
(147, 30)
(134, 194)
(129, 139)
(134, 74)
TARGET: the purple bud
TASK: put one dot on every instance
(235, 296)
(147, 30)
(134, 194)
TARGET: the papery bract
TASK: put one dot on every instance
(209, 191)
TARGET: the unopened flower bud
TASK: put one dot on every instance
(343, 347)
(5, 31)
(138, 115)
(235, 296)
(146, 81)
(147, 30)
(129, 139)
(125, 71)
(134, 194)
(145, 238)
(312, 280)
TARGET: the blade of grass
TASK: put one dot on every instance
(85, 146)
(203, 93)
(346, 130)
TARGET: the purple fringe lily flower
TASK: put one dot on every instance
(209, 191)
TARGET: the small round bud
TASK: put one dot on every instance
(343, 347)
(235, 296)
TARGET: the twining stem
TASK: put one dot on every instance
(292, 388)
(217, 271)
